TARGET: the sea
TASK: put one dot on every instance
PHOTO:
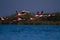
(29, 32)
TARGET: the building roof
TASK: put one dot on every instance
(25, 11)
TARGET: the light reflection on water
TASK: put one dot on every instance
(29, 32)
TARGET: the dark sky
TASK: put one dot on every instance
(8, 7)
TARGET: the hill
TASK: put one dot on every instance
(27, 18)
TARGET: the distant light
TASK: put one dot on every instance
(19, 14)
(31, 18)
(36, 15)
(49, 15)
(19, 19)
(40, 15)
(2, 18)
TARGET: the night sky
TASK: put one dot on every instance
(8, 7)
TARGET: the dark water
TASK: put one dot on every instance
(29, 32)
